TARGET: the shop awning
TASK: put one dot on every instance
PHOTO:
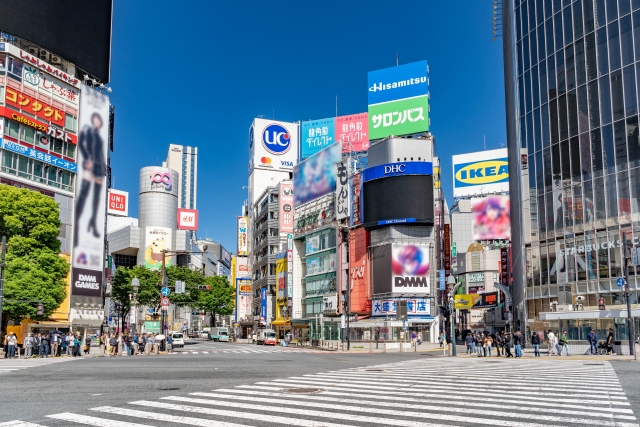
(280, 322)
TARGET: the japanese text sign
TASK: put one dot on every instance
(316, 135)
(353, 131)
(34, 106)
(342, 191)
(403, 117)
(38, 155)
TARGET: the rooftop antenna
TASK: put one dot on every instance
(260, 116)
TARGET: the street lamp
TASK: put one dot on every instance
(135, 284)
(452, 286)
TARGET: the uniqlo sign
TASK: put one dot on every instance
(187, 219)
(118, 203)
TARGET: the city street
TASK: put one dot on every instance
(306, 388)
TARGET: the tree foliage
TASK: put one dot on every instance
(148, 293)
(219, 299)
(34, 268)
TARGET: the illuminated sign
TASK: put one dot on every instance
(397, 169)
(34, 106)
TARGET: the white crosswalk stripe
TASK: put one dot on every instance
(8, 366)
(430, 393)
(254, 351)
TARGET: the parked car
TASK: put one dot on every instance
(193, 334)
(178, 339)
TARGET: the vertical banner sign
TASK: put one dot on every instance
(354, 200)
(442, 288)
(263, 305)
(91, 194)
(342, 191)
(634, 256)
(286, 208)
(242, 236)
(289, 265)
(504, 266)
(447, 250)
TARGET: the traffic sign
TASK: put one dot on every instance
(165, 302)
(165, 292)
(620, 282)
(165, 308)
(151, 311)
(634, 256)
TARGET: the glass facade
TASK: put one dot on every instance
(577, 71)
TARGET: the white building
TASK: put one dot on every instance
(184, 160)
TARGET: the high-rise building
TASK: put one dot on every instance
(571, 77)
(184, 160)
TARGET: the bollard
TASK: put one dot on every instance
(370, 347)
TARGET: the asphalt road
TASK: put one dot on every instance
(433, 390)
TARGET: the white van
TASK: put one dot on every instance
(178, 339)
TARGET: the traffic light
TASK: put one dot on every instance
(40, 309)
(601, 304)
(204, 287)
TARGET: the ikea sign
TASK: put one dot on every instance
(480, 173)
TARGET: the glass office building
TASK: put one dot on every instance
(576, 79)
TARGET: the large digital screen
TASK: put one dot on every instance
(491, 218)
(77, 30)
(316, 176)
(398, 199)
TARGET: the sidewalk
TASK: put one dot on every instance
(527, 353)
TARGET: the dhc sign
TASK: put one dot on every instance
(397, 169)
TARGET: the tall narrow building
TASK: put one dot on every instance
(184, 160)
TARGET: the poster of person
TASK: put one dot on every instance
(316, 176)
(491, 218)
(410, 268)
(157, 240)
(91, 193)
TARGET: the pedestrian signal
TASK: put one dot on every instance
(601, 304)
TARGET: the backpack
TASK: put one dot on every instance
(76, 342)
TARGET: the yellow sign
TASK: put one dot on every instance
(466, 301)
(485, 172)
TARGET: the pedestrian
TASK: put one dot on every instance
(468, 341)
(142, 340)
(535, 340)
(499, 345)
(69, 340)
(479, 343)
(552, 341)
(113, 345)
(76, 345)
(55, 343)
(147, 345)
(592, 337)
(135, 346)
(413, 339)
(28, 346)
(11, 345)
(507, 343)
(517, 343)
(489, 342)
(441, 339)
(103, 345)
(36, 344)
(44, 346)
(87, 345)
(130, 344)
(170, 343)
(610, 341)
(563, 343)
(5, 346)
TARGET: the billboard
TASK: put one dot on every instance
(91, 194)
(416, 306)
(352, 131)
(273, 145)
(242, 266)
(410, 269)
(406, 199)
(281, 274)
(398, 100)
(491, 218)
(243, 243)
(471, 301)
(316, 176)
(480, 173)
(244, 298)
(286, 208)
(342, 191)
(78, 31)
(354, 200)
(157, 239)
(118, 203)
(187, 219)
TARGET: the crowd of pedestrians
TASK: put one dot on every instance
(482, 343)
(59, 344)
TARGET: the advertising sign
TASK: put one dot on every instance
(504, 266)
(321, 264)
(342, 191)
(157, 239)
(281, 274)
(316, 135)
(353, 131)
(286, 208)
(244, 286)
(243, 244)
(410, 269)
(39, 155)
(330, 304)
(491, 218)
(397, 118)
(57, 89)
(354, 200)
(242, 266)
(91, 194)
(415, 306)
(263, 305)
(480, 173)
(316, 176)
(187, 219)
(471, 301)
(35, 107)
(397, 169)
(273, 145)
(447, 249)
(118, 203)
(399, 82)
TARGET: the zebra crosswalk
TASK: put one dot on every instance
(13, 365)
(240, 350)
(431, 393)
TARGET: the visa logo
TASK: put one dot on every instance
(286, 163)
(484, 172)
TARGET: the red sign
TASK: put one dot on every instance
(34, 106)
(118, 202)
(286, 208)
(164, 302)
(447, 250)
(504, 266)
(38, 125)
(48, 68)
(353, 131)
(187, 219)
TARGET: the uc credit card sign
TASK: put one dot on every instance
(403, 81)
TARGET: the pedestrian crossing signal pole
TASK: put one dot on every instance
(630, 328)
(2, 256)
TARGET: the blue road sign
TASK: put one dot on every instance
(620, 282)
(165, 292)
(442, 280)
(151, 311)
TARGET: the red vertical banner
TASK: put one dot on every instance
(447, 250)
(504, 266)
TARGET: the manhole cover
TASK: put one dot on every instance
(301, 390)
(169, 389)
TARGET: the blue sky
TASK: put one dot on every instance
(198, 75)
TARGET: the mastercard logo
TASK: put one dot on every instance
(265, 160)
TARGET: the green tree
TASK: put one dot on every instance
(191, 278)
(219, 299)
(34, 268)
(148, 293)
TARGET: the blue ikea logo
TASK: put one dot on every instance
(479, 173)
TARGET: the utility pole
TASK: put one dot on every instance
(164, 255)
(2, 257)
(630, 325)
